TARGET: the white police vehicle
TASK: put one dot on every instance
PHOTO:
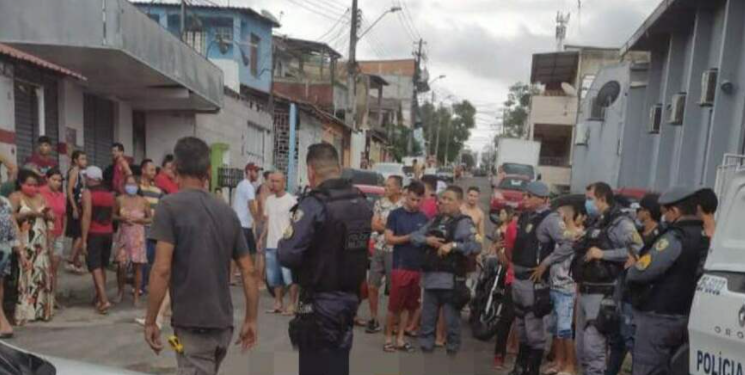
(717, 323)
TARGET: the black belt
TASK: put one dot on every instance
(597, 289)
(523, 275)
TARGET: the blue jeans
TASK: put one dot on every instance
(276, 275)
(622, 343)
(563, 314)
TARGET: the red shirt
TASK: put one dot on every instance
(119, 177)
(56, 202)
(510, 236)
(165, 183)
(42, 164)
(429, 207)
(102, 201)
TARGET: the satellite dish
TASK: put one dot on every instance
(568, 89)
(270, 16)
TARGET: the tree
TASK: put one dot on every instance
(400, 142)
(454, 125)
(468, 159)
(516, 110)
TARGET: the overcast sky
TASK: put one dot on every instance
(483, 46)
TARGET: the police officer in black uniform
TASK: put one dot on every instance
(326, 248)
(540, 243)
(663, 283)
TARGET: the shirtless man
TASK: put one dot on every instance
(471, 208)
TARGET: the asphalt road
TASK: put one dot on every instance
(114, 340)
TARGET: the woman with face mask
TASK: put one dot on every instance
(133, 213)
(35, 285)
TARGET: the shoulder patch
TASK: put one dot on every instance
(662, 244)
(289, 232)
(529, 228)
(298, 215)
(637, 238)
(643, 262)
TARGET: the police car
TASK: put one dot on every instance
(717, 322)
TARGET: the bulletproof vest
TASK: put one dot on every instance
(529, 251)
(598, 271)
(337, 257)
(455, 262)
(673, 292)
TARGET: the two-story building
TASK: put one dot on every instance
(564, 79)
(133, 67)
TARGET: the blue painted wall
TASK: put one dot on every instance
(244, 26)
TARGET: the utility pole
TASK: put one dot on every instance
(183, 20)
(437, 143)
(431, 124)
(351, 114)
(415, 98)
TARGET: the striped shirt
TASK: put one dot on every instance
(152, 194)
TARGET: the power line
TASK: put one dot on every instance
(342, 18)
(312, 10)
(324, 7)
(407, 13)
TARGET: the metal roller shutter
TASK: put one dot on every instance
(27, 101)
(98, 123)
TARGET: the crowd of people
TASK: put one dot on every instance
(97, 211)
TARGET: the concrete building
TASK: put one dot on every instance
(690, 102)
(399, 74)
(564, 78)
(133, 68)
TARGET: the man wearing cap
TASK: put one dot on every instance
(608, 246)
(540, 243)
(246, 205)
(663, 283)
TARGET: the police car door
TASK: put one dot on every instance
(717, 322)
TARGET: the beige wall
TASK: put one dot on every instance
(549, 110)
(555, 175)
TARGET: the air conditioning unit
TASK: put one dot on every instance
(655, 119)
(582, 135)
(597, 112)
(709, 87)
(677, 109)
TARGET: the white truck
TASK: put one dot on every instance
(716, 327)
(518, 157)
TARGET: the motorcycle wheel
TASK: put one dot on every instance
(483, 326)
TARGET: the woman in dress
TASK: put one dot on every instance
(75, 187)
(35, 294)
(55, 199)
(133, 213)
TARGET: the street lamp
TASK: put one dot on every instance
(392, 10)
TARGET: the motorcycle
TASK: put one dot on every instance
(487, 306)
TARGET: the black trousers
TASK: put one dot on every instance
(324, 362)
(504, 325)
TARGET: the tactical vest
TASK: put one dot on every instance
(337, 257)
(597, 271)
(529, 251)
(455, 262)
(672, 293)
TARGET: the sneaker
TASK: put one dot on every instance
(373, 326)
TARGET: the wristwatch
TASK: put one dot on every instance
(455, 245)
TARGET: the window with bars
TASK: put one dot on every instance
(253, 144)
(197, 40)
(224, 33)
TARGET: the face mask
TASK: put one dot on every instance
(30, 191)
(131, 189)
(592, 208)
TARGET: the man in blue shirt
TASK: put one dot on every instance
(407, 264)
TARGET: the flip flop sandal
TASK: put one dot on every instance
(274, 311)
(406, 347)
(389, 348)
(411, 334)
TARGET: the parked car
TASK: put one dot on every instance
(363, 177)
(15, 361)
(392, 169)
(509, 193)
(446, 175)
(520, 170)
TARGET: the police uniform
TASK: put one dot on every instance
(326, 248)
(444, 277)
(540, 240)
(663, 284)
(597, 309)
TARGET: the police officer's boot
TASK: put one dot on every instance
(534, 362)
(521, 362)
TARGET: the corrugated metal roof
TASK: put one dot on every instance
(31, 59)
(206, 4)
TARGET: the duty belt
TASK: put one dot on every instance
(523, 275)
(603, 289)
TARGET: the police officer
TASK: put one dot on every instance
(449, 239)
(326, 248)
(540, 243)
(663, 283)
(608, 246)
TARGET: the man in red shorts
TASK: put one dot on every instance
(407, 263)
